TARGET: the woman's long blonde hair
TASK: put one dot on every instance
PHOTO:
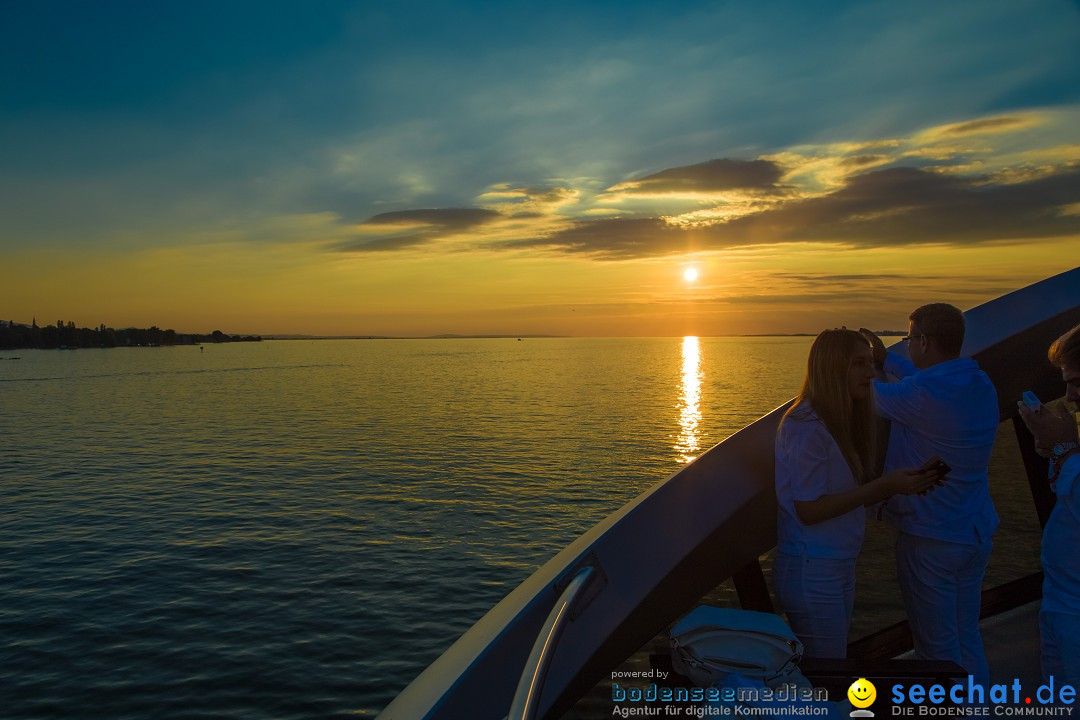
(826, 390)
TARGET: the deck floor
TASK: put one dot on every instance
(1012, 645)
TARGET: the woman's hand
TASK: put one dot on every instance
(1050, 425)
(912, 482)
(880, 353)
(907, 482)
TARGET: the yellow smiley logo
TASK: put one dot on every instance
(862, 693)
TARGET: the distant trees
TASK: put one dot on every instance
(66, 335)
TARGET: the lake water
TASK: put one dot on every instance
(295, 529)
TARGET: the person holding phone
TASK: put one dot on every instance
(944, 405)
(824, 478)
(1056, 438)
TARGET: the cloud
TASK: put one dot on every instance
(941, 185)
(862, 161)
(507, 192)
(409, 228)
(987, 126)
(447, 219)
(890, 207)
(615, 237)
(712, 176)
(817, 278)
(899, 206)
(886, 284)
(521, 201)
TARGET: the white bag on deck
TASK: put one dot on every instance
(711, 643)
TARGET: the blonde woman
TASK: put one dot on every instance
(824, 467)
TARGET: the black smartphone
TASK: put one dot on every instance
(936, 463)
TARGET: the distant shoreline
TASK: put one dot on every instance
(881, 333)
(65, 336)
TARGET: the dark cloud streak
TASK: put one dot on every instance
(978, 126)
(421, 227)
(620, 237)
(711, 176)
(445, 218)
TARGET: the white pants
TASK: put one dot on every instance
(818, 595)
(941, 583)
(1059, 634)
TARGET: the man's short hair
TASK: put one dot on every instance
(942, 322)
(1066, 349)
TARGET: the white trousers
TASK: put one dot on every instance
(941, 583)
(818, 596)
(1059, 634)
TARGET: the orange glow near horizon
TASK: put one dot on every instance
(791, 289)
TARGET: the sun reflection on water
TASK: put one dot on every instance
(688, 443)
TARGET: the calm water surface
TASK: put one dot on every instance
(296, 529)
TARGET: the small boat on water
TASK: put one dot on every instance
(613, 589)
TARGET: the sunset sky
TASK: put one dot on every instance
(416, 168)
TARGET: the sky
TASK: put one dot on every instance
(417, 168)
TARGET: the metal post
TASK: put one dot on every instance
(752, 589)
(1037, 469)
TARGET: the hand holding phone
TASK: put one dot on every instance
(937, 466)
(1032, 401)
(936, 463)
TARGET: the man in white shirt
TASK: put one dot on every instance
(943, 405)
(1056, 437)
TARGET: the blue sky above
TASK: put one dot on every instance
(439, 100)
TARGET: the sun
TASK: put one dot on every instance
(690, 274)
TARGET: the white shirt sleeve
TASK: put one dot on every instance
(810, 458)
(898, 366)
(901, 401)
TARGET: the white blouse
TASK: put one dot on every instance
(809, 464)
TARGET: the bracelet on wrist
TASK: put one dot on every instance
(1057, 461)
